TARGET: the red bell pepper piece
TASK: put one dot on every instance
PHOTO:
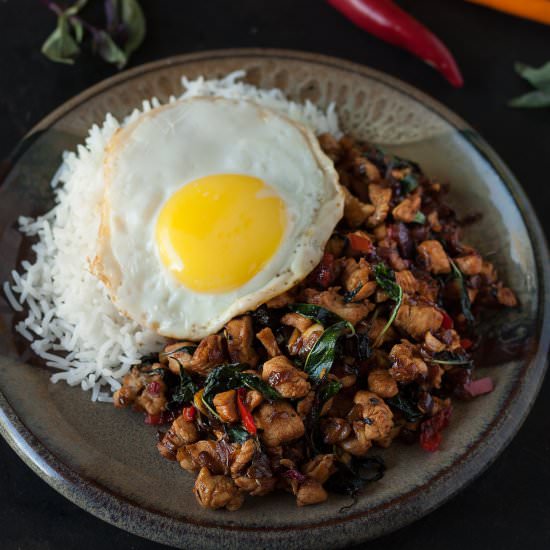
(387, 21)
(466, 344)
(189, 413)
(430, 430)
(246, 416)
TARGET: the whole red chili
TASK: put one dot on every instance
(246, 416)
(189, 413)
(387, 21)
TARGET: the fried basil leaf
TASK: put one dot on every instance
(237, 434)
(465, 303)
(349, 296)
(186, 389)
(351, 478)
(385, 278)
(220, 379)
(406, 406)
(254, 383)
(321, 357)
(316, 313)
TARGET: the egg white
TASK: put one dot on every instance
(170, 146)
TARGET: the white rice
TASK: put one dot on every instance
(71, 322)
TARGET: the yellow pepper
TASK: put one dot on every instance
(537, 10)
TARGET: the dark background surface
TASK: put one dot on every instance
(508, 507)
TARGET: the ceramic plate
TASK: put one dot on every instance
(106, 461)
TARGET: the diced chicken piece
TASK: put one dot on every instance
(335, 430)
(215, 491)
(144, 388)
(282, 375)
(331, 300)
(310, 492)
(330, 146)
(257, 487)
(432, 344)
(407, 209)
(407, 365)
(506, 297)
(280, 423)
(355, 211)
(304, 405)
(470, 264)
(181, 432)
(380, 197)
(177, 354)
(192, 457)
(226, 406)
(357, 444)
(268, 340)
(320, 468)
(240, 335)
(280, 301)
(434, 256)
(297, 321)
(407, 281)
(355, 278)
(381, 383)
(208, 355)
(488, 272)
(377, 416)
(243, 456)
(365, 169)
(302, 344)
(433, 221)
(253, 399)
(385, 442)
(416, 320)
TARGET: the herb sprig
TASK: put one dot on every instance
(465, 303)
(385, 278)
(123, 33)
(539, 78)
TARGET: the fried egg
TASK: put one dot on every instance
(211, 207)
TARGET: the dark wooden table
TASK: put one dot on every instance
(508, 507)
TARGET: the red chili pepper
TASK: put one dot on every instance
(189, 413)
(430, 430)
(387, 21)
(447, 322)
(246, 416)
(360, 243)
(466, 343)
(323, 274)
(154, 419)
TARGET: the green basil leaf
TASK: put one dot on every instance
(539, 77)
(385, 278)
(406, 406)
(321, 357)
(254, 383)
(328, 390)
(419, 217)
(316, 313)
(237, 434)
(409, 183)
(531, 100)
(186, 389)
(465, 303)
(60, 46)
(78, 29)
(105, 46)
(132, 18)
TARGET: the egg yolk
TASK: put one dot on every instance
(216, 233)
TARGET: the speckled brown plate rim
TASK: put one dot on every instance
(105, 504)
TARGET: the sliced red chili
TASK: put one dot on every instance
(430, 430)
(360, 243)
(189, 413)
(323, 274)
(154, 419)
(447, 321)
(246, 416)
(466, 343)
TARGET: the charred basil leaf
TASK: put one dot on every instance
(406, 406)
(465, 303)
(351, 478)
(316, 313)
(349, 296)
(322, 395)
(328, 390)
(254, 383)
(237, 434)
(385, 278)
(321, 357)
(186, 389)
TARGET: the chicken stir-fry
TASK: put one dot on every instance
(370, 348)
